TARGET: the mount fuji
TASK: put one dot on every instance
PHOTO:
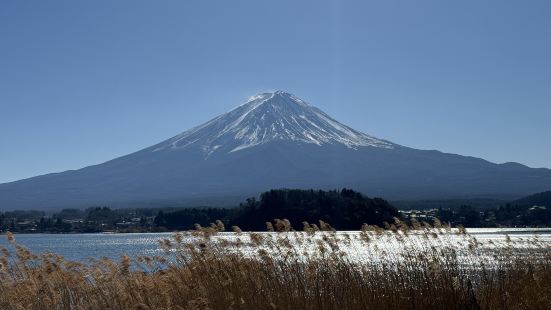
(273, 140)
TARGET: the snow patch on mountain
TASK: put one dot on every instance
(270, 117)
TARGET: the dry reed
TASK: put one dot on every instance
(314, 269)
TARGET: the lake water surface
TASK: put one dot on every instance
(79, 247)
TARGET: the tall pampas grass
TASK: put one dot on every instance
(317, 268)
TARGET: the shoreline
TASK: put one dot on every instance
(481, 230)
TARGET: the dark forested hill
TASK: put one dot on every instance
(345, 209)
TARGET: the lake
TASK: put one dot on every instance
(79, 247)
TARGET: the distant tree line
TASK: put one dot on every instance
(530, 211)
(508, 215)
(95, 219)
(515, 216)
(344, 210)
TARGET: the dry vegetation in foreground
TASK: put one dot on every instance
(288, 270)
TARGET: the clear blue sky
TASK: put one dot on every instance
(82, 82)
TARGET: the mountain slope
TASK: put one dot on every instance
(273, 140)
(539, 199)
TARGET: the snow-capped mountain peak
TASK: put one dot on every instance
(270, 117)
(272, 140)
